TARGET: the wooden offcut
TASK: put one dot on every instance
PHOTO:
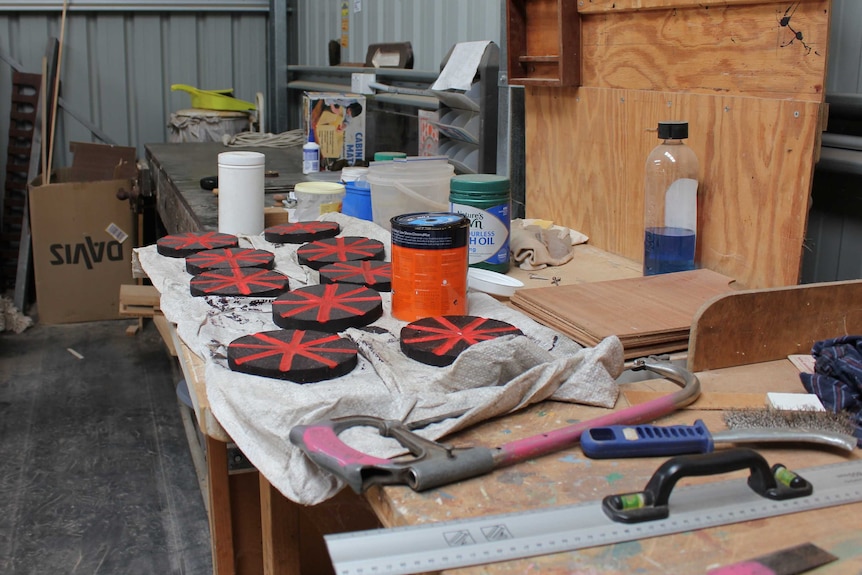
(142, 301)
(749, 79)
(773, 323)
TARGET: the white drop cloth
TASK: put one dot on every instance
(489, 379)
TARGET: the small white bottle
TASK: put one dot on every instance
(310, 154)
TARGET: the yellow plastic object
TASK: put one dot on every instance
(214, 99)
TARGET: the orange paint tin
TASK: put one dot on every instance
(429, 265)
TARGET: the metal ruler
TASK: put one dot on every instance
(493, 538)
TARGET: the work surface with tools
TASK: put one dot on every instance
(176, 171)
(568, 476)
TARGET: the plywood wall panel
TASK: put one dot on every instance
(747, 76)
(586, 149)
(710, 50)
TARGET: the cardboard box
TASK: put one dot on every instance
(338, 120)
(83, 235)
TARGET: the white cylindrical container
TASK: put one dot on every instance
(241, 194)
(313, 199)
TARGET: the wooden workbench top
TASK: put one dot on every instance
(177, 170)
(568, 477)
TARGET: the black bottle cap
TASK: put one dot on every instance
(672, 130)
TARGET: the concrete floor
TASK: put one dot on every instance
(97, 475)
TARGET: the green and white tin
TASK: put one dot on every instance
(485, 200)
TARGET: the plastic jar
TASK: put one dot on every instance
(387, 156)
(485, 200)
(429, 265)
(353, 173)
(241, 193)
(357, 200)
(408, 186)
(316, 198)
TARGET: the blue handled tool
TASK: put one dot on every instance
(656, 440)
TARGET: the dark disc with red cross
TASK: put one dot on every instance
(301, 356)
(301, 232)
(243, 282)
(327, 307)
(334, 250)
(227, 258)
(440, 340)
(374, 274)
(183, 245)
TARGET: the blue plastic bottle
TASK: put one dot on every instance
(670, 203)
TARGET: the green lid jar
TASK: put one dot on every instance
(388, 156)
(485, 200)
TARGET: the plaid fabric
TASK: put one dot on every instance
(837, 377)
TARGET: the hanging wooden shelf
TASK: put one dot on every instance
(544, 42)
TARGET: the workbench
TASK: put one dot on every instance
(255, 529)
(751, 333)
(176, 171)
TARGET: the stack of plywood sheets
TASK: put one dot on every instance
(650, 315)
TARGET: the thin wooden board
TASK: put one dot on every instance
(771, 324)
(649, 314)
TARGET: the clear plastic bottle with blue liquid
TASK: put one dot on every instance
(670, 203)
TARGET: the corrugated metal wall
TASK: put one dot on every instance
(117, 67)
(431, 26)
(845, 48)
(834, 234)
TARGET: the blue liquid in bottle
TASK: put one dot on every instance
(668, 250)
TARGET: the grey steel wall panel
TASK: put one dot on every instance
(117, 67)
(135, 5)
(844, 74)
(431, 26)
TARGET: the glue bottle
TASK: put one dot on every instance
(310, 154)
(670, 203)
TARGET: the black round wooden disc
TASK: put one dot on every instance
(374, 274)
(226, 258)
(345, 249)
(182, 245)
(296, 355)
(300, 232)
(239, 282)
(440, 340)
(327, 307)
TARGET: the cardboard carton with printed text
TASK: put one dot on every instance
(338, 120)
(83, 235)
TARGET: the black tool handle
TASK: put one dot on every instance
(652, 502)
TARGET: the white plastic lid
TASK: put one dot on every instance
(241, 159)
(318, 188)
(492, 283)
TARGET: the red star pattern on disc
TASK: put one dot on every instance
(374, 274)
(440, 340)
(350, 248)
(239, 282)
(229, 258)
(300, 232)
(327, 307)
(297, 355)
(182, 245)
